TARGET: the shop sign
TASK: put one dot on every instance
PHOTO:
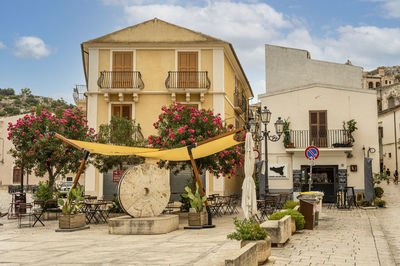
(117, 175)
(278, 170)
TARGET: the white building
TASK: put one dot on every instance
(316, 97)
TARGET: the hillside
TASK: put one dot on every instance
(14, 104)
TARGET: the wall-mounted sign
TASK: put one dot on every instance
(117, 175)
(312, 153)
(353, 168)
(278, 170)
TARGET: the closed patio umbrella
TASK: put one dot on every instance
(249, 201)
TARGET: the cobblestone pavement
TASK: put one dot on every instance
(389, 219)
(343, 237)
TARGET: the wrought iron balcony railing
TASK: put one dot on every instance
(331, 138)
(240, 102)
(187, 80)
(78, 94)
(120, 80)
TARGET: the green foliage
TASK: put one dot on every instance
(290, 204)
(379, 177)
(365, 203)
(7, 92)
(116, 207)
(43, 192)
(195, 199)
(297, 216)
(11, 110)
(247, 230)
(349, 127)
(74, 201)
(185, 204)
(380, 203)
(122, 132)
(37, 150)
(26, 92)
(179, 126)
(286, 133)
(378, 192)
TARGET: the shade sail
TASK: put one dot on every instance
(178, 154)
(249, 200)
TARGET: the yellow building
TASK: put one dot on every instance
(135, 71)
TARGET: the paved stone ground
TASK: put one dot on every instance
(343, 237)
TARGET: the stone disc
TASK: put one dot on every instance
(144, 191)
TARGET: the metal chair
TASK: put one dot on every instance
(24, 215)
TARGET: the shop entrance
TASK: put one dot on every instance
(324, 178)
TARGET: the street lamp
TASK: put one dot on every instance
(265, 119)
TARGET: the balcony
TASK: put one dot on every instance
(78, 93)
(120, 80)
(332, 138)
(240, 103)
(188, 80)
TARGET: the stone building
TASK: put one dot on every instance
(317, 97)
(135, 71)
(389, 126)
(382, 76)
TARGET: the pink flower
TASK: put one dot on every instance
(183, 142)
(23, 133)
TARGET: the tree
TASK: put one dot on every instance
(180, 126)
(26, 92)
(7, 92)
(37, 149)
(123, 132)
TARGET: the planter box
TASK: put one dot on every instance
(196, 218)
(342, 145)
(263, 248)
(279, 230)
(72, 221)
(115, 214)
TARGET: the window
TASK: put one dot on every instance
(16, 175)
(69, 178)
(390, 82)
(390, 155)
(188, 70)
(391, 102)
(122, 110)
(370, 85)
(385, 81)
(122, 76)
(318, 128)
(380, 132)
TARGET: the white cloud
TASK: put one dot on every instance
(391, 7)
(31, 47)
(250, 25)
(2, 45)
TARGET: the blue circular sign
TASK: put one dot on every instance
(312, 153)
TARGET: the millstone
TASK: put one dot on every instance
(143, 190)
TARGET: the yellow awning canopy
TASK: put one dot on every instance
(178, 154)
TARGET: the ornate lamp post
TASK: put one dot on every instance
(265, 135)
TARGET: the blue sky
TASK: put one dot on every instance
(40, 40)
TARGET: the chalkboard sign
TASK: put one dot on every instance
(296, 180)
(342, 176)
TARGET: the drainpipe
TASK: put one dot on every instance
(395, 138)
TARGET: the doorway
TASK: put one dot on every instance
(324, 179)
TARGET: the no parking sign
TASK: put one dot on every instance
(312, 153)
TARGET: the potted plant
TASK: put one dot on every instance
(248, 231)
(71, 218)
(349, 127)
(196, 216)
(287, 141)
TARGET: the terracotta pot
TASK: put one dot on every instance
(72, 221)
(263, 248)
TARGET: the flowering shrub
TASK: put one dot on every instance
(179, 126)
(35, 147)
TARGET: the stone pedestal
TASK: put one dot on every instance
(126, 225)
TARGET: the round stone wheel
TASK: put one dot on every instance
(143, 190)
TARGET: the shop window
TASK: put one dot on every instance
(16, 175)
(122, 110)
